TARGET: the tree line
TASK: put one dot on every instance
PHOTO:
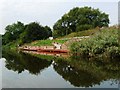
(77, 19)
(25, 33)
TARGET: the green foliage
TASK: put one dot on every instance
(113, 51)
(34, 31)
(81, 33)
(83, 27)
(13, 32)
(104, 42)
(18, 33)
(48, 31)
(11, 45)
(79, 19)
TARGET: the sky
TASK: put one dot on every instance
(47, 12)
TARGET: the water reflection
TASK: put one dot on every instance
(79, 78)
(21, 61)
(86, 73)
(55, 54)
(79, 72)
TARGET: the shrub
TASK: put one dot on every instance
(105, 41)
(113, 51)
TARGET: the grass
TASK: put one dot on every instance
(46, 42)
(13, 45)
(81, 33)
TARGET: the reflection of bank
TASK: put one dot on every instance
(78, 78)
(64, 55)
(20, 62)
(84, 73)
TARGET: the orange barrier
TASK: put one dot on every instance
(45, 50)
(53, 50)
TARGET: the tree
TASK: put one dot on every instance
(79, 19)
(48, 31)
(13, 32)
(20, 33)
(34, 31)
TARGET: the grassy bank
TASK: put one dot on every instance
(81, 33)
(104, 42)
(45, 42)
(10, 46)
(101, 42)
(62, 40)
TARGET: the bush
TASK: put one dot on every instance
(113, 51)
(105, 41)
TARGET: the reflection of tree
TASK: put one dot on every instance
(76, 77)
(21, 61)
(86, 73)
(80, 73)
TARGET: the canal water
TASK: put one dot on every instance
(22, 70)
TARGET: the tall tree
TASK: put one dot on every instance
(13, 32)
(79, 19)
(34, 31)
